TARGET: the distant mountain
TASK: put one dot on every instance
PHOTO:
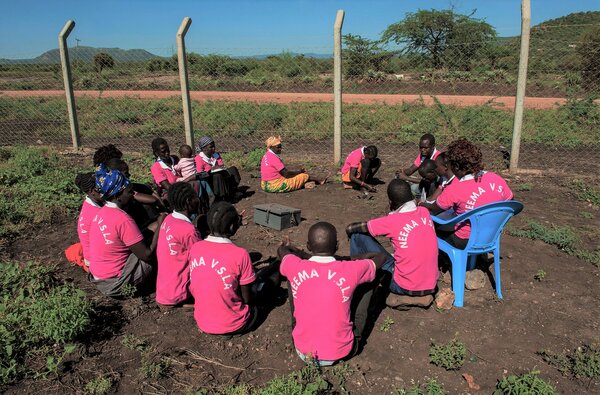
(86, 55)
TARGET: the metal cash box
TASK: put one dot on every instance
(276, 216)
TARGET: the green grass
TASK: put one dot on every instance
(540, 275)
(586, 192)
(387, 324)
(525, 384)
(450, 356)
(525, 187)
(586, 215)
(39, 316)
(155, 367)
(583, 362)
(99, 386)
(430, 387)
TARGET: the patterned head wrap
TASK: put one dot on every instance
(110, 182)
(203, 142)
(273, 141)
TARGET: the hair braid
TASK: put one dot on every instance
(180, 194)
(85, 182)
(221, 218)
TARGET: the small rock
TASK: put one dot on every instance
(475, 279)
(447, 277)
(444, 299)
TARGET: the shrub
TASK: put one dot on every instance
(561, 236)
(98, 386)
(584, 361)
(449, 356)
(431, 387)
(525, 384)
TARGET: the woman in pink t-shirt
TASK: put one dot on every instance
(223, 180)
(118, 254)
(275, 177)
(473, 187)
(86, 182)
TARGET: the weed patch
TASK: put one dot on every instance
(430, 387)
(525, 384)
(449, 356)
(155, 367)
(586, 192)
(526, 187)
(248, 161)
(99, 386)
(540, 275)
(386, 325)
(561, 236)
(583, 362)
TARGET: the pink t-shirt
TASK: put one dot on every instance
(217, 270)
(412, 234)
(420, 158)
(185, 168)
(353, 159)
(206, 164)
(270, 166)
(112, 232)
(176, 236)
(88, 212)
(322, 290)
(466, 194)
(161, 172)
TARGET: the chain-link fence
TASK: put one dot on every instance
(391, 97)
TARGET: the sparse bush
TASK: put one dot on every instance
(386, 325)
(98, 386)
(155, 368)
(449, 356)
(561, 236)
(134, 343)
(540, 275)
(431, 387)
(583, 362)
(525, 384)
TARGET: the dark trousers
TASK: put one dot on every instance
(225, 183)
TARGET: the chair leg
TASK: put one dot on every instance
(459, 269)
(471, 261)
(497, 272)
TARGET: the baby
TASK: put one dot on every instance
(186, 167)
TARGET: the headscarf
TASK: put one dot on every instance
(203, 142)
(273, 141)
(110, 182)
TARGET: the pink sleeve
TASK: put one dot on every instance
(220, 161)
(198, 160)
(277, 163)
(379, 226)
(129, 233)
(445, 200)
(287, 260)
(417, 161)
(157, 173)
(247, 275)
(365, 270)
(507, 193)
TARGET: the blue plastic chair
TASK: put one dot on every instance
(487, 223)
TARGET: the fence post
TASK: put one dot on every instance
(183, 80)
(337, 87)
(521, 84)
(66, 71)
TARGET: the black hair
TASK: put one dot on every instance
(223, 219)
(85, 182)
(443, 157)
(322, 238)
(180, 194)
(188, 150)
(156, 143)
(465, 156)
(371, 150)
(106, 153)
(398, 192)
(429, 137)
(114, 164)
(427, 165)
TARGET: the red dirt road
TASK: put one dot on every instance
(506, 102)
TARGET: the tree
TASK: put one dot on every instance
(589, 52)
(364, 55)
(444, 37)
(103, 60)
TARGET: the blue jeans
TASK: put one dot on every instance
(361, 243)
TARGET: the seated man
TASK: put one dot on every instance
(322, 290)
(413, 267)
(429, 183)
(360, 168)
(427, 150)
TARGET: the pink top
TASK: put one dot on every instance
(204, 163)
(467, 193)
(112, 232)
(176, 236)
(88, 212)
(353, 159)
(161, 172)
(218, 269)
(322, 289)
(420, 158)
(412, 234)
(185, 168)
(270, 166)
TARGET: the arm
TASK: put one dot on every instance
(406, 175)
(141, 250)
(284, 250)
(433, 208)
(248, 293)
(353, 171)
(357, 227)
(436, 193)
(165, 185)
(377, 257)
(289, 173)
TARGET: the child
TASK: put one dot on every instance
(118, 254)
(360, 167)
(176, 236)
(275, 177)
(322, 291)
(414, 265)
(186, 167)
(427, 150)
(473, 187)
(429, 183)
(221, 277)
(445, 176)
(91, 205)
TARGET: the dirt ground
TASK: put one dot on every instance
(557, 314)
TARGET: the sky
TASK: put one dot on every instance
(235, 27)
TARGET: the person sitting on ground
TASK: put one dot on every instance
(427, 150)
(222, 277)
(223, 181)
(118, 254)
(105, 153)
(429, 182)
(275, 177)
(325, 293)
(176, 236)
(360, 168)
(86, 182)
(186, 167)
(414, 266)
(445, 176)
(472, 188)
